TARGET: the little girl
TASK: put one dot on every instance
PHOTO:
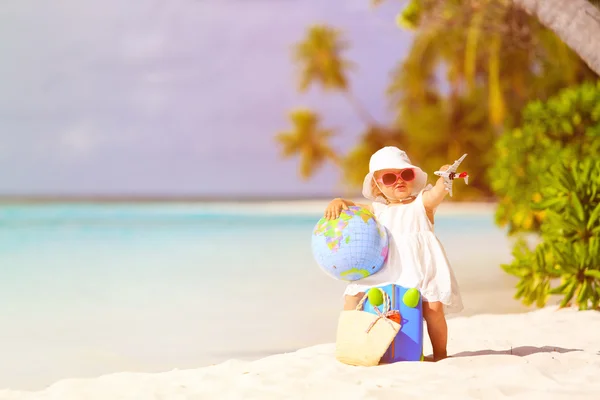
(405, 205)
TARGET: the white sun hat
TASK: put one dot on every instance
(391, 157)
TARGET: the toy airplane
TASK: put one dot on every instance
(450, 174)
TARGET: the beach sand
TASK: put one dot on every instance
(544, 354)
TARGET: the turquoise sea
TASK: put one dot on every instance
(90, 289)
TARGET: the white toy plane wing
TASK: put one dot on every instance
(454, 166)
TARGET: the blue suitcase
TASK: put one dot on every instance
(408, 344)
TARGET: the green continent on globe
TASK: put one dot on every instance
(363, 272)
(332, 229)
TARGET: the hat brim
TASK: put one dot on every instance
(420, 181)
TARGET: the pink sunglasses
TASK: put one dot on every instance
(390, 178)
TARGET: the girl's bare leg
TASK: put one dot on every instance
(436, 328)
(350, 302)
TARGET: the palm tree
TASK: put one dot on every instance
(320, 58)
(321, 61)
(308, 140)
(495, 58)
(576, 22)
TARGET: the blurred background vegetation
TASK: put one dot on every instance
(482, 77)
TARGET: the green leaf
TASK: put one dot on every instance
(584, 290)
(595, 297)
(539, 257)
(593, 247)
(518, 270)
(546, 203)
(530, 296)
(571, 222)
(592, 273)
(569, 294)
(594, 216)
(563, 178)
(558, 253)
(587, 167)
(542, 296)
(520, 292)
(563, 287)
(578, 208)
(570, 267)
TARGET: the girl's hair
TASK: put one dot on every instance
(377, 192)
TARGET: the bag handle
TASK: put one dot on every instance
(386, 301)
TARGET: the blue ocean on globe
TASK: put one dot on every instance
(352, 246)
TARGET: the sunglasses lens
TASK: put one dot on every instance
(407, 175)
(389, 179)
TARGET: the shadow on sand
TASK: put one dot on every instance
(516, 351)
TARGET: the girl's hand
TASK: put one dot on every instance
(439, 185)
(336, 206)
(433, 198)
(440, 181)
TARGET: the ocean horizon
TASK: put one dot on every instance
(89, 288)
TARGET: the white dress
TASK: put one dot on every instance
(416, 257)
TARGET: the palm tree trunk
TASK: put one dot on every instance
(336, 159)
(362, 112)
(576, 22)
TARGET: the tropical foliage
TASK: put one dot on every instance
(548, 177)
(472, 67)
(567, 128)
(576, 22)
(570, 239)
(321, 60)
(308, 139)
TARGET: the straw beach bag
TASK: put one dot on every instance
(362, 337)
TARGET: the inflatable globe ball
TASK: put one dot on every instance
(350, 247)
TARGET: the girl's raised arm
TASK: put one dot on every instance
(434, 197)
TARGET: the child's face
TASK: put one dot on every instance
(395, 184)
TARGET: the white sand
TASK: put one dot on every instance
(555, 355)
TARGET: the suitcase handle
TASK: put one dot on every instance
(386, 301)
(387, 314)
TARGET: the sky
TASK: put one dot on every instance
(174, 97)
